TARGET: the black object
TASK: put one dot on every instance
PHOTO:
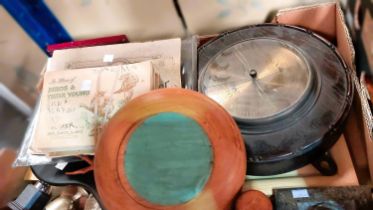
(56, 177)
(33, 197)
(326, 165)
(307, 130)
(333, 198)
(180, 14)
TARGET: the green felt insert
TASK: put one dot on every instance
(168, 159)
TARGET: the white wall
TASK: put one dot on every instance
(139, 19)
(20, 59)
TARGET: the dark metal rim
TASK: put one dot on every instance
(291, 161)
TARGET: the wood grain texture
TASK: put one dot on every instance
(229, 156)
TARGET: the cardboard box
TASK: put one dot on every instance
(327, 20)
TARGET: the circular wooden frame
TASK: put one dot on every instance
(229, 156)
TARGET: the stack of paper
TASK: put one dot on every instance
(76, 104)
(84, 87)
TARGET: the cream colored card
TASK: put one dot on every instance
(165, 56)
(75, 104)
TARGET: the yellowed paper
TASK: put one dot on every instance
(164, 54)
(75, 104)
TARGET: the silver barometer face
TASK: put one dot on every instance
(257, 78)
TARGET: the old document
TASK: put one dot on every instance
(164, 54)
(75, 104)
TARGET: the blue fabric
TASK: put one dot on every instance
(168, 159)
